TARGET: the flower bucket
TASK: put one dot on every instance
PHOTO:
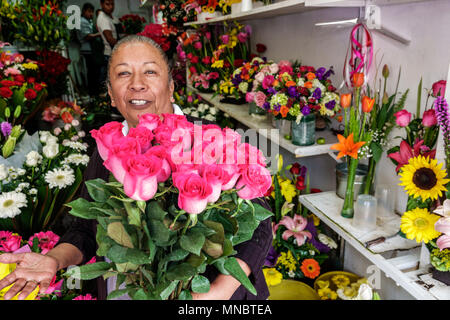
(292, 290)
(442, 276)
(284, 126)
(257, 112)
(341, 179)
(304, 132)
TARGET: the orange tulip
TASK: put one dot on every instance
(284, 111)
(347, 147)
(367, 104)
(358, 79)
(346, 100)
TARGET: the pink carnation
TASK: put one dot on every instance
(86, 297)
(47, 240)
(9, 242)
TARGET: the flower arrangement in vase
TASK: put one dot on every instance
(53, 70)
(21, 95)
(188, 214)
(355, 136)
(132, 23)
(64, 112)
(177, 12)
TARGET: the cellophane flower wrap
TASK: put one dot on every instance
(61, 287)
(178, 199)
(289, 91)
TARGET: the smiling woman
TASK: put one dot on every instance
(139, 82)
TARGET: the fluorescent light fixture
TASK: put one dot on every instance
(340, 22)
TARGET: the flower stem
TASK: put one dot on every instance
(368, 183)
(348, 208)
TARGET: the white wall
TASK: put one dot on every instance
(428, 55)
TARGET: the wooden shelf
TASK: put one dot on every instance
(265, 128)
(418, 282)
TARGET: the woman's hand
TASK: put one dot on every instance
(32, 269)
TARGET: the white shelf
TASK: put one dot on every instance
(265, 128)
(419, 283)
(287, 7)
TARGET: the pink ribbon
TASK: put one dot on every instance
(361, 55)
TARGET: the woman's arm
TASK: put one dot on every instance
(65, 255)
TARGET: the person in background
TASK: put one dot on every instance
(86, 36)
(106, 26)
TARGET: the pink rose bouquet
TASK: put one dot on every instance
(179, 198)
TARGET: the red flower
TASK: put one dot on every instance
(30, 94)
(31, 80)
(295, 169)
(66, 117)
(260, 48)
(300, 185)
(7, 83)
(19, 77)
(6, 92)
(238, 63)
(37, 87)
(206, 60)
(269, 192)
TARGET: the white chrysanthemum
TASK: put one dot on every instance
(75, 145)
(202, 107)
(186, 110)
(77, 159)
(326, 240)
(300, 82)
(213, 111)
(33, 159)
(59, 178)
(243, 87)
(10, 204)
(210, 117)
(195, 114)
(3, 172)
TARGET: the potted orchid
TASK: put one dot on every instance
(164, 218)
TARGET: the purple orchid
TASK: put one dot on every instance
(266, 105)
(6, 128)
(443, 116)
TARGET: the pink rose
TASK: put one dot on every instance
(118, 154)
(260, 98)
(163, 135)
(106, 136)
(249, 97)
(11, 71)
(9, 242)
(149, 120)
(215, 176)
(438, 88)
(194, 192)
(175, 120)
(402, 118)
(47, 240)
(198, 45)
(429, 118)
(248, 154)
(141, 182)
(267, 82)
(273, 68)
(167, 166)
(143, 135)
(255, 180)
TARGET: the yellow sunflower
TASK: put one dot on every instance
(423, 177)
(418, 224)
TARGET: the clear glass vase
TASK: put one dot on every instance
(348, 207)
(304, 132)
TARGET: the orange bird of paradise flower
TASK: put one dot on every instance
(347, 147)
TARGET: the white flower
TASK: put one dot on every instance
(67, 126)
(312, 252)
(81, 134)
(291, 274)
(60, 178)
(186, 110)
(195, 114)
(3, 172)
(213, 111)
(243, 87)
(57, 131)
(33, 191)
(77, 159)
(326, 240)
(75, 122)
(317, 84)
(75, 138)
(10, 204)
(51, 150)
(33, 159)
(75, 145)
(273, 68)
(364, 292)
(210, 117)
(300, 82)
(47, 138)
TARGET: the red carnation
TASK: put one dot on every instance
(6, 92)
(7, 83)
(19, 77)
(37, 87)
(295, 169)
(30, 94)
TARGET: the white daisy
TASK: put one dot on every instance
(326, 240)
(77, 159)
(59, 178)
(75, 145)
(10, 204)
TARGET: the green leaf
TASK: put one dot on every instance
(117, 232)
(200, 284)
(219, 235)
(233, 267)
(261, 213)
(195, 260)
(377, 151)
(154, 211)
(97, 190)
(185, 295)
(177, 255)
(140, 295)
(168, 290)
(116, 294)
(136, 256)
(213, 249)
(80, 208)
(88, 271)
(117, 254)
(182, 271)
(192, 241)
(159, 232)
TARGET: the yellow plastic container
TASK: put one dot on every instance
(292, 290)
(6, 269)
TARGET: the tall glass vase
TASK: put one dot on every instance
(368, 186)
(348, 208)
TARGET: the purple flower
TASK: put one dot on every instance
(320, 72)
(6, 128)
(272, 90)
(272, 257)
(277, 107)
(443, 116)
(292, 91)
(317, 94)
(330, 105)
(319, 245)
(306, 110)
(248, 29)
(328, 73)
(266, 105)
(302, 171)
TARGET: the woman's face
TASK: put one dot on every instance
(139, 82)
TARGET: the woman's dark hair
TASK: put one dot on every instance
(87, 6)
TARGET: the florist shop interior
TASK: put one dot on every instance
(335, 112)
